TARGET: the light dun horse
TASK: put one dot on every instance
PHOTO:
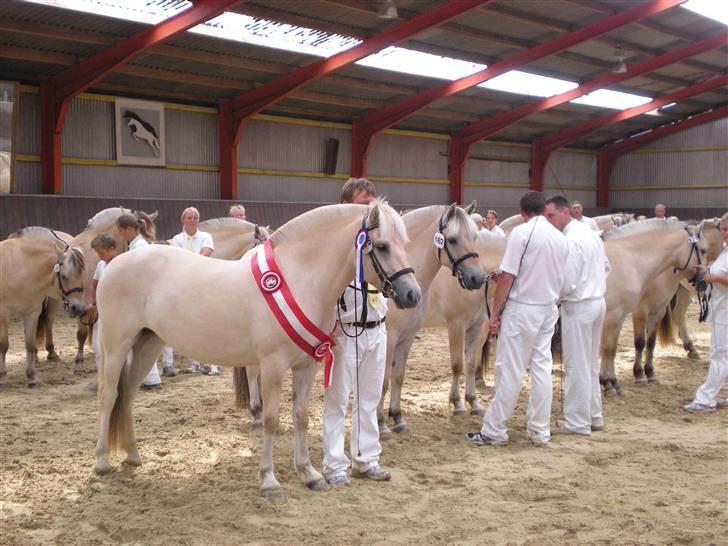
(230, 323)
(233, 237)
(35, 264)
(457, 256)
(638, 253)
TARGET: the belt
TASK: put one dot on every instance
(367, 325)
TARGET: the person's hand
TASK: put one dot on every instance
(494, 326)
(91, 314)
(701, 269)
(495, 274)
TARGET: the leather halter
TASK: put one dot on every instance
(57, 273)
(699, 284)
(387, 280)
(456, 271)
(694, 248)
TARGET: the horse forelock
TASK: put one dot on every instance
(391, 224)
(645, 226)
(462, 222)
(75, 261)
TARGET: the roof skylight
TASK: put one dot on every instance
(713, 9)
(246, 29)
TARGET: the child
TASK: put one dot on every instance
(107, 249)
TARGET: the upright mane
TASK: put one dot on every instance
(634, 228)
(225, 221)
(461, 220)
(42, 233)
(106, 216)
(390, 223)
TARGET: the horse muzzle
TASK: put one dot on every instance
(406, 292)
(470, 276)
(74, 309)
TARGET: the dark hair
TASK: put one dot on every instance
(532, 202)
(103, 241)
(128, 221)
(559, 202)
(354, 186)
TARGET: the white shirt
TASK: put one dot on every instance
(497, 230)
(99, 270)
(587, 266)
(590, 222)
(194, 243)
(348, 312)
(138, 242)
(719, 292)
(540, 275)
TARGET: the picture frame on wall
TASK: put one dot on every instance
(140, 137)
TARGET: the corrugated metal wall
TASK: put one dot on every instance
(681, 161)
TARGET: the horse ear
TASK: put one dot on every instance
(374, 214)
(450, 212)
(154, 215)
(470, 209)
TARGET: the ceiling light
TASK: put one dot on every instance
(620, 66)
(388, 10)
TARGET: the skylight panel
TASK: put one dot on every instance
(713, 9)
(140, 11)
(617, 100)
(524, 83)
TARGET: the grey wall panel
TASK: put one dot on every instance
(408, 157)
(571, 169)
(89, 130)
(266, 145)
(258, 187)
(646, 199)
(496, 171)
(414, 194)
(27, 177)
(587, 198)
(191, 138)
(497, 198)
(28, 125)
(709, 134)
(139, 182)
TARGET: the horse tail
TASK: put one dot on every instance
(666, 330)
(42, 327)
(146, 347)
(485, 355)
(242, 390)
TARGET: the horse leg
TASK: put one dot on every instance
(3, 346)
(457, 341)
(30, 326)
(649, 368)
(302, 380)
(111, 366)
(82, 332)
(395, 398)
(679, 314)
(271, 379)
(610, 337)
(638, 324)
(45, 328)
(256, 404)
(472, 363)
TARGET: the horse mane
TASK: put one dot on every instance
(225, 221)
(106, 216)
(634, 228)
(38, 232)
(460, 221)
(389, 221)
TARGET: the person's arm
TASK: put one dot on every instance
(207, 247)
(91, 311)
(711, 277)
(505, 281)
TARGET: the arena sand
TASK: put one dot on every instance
(657, 475)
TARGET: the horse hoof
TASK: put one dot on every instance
(274, 492)
(693, 355)
(385, 433)
(400, 427)
(653, 381)
(640, 380)
(102, 468)
(477, 411)
(480, 383)
(317, 485)
(459, 412)
(32, 384)
(132, 461)
(53, 357)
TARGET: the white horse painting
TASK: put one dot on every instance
(142, 130)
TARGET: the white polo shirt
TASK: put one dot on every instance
(497, 230)
(100, 266)
(138, 242)
(349, 312)
(587, 266)
(718, 292)
(194, 243)
(589, 222)
(540, 275)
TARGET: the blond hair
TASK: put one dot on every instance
(187, 211)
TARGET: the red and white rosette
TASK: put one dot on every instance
(311, 339)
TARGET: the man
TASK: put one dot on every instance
(577, 214)
(660, 211)
(237, 211)
(199, 242)
(524, 311)
(363, 379)
(582, 314)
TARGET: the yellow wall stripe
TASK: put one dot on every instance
(686, 149)
(674, 187)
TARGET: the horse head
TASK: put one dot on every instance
(710, 241)
(387, 267)
(456, 236)
(68, 280)
(147, 227)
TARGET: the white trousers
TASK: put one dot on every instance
(524, 342)
(364, 445)
(718, 370)
(581, 330)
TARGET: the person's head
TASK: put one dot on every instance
(531, 204)
(557, 212)
(358, 191)
(577, 211)
(724, 228)
(491, 219)
(478, 219)
(190, 218)
(128, 226)
(105, 247)
(660, 210)
(237, 211)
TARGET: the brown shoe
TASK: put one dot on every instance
(375, 472)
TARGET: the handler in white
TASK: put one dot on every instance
(582, 314)
(199, 242)
(529, 284)
(363, 383)
(576, 213)
(705, 400)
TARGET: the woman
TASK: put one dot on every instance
(491, 223)
(705, 399)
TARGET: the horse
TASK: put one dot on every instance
(509, 223)
(606, 222)
(142, 130)
(455, 230)
(233, 237)
(5, 169)
(638, 252)
(103, 221)
(648, 316)
(35, 264)
(465, 315)
(232, 324)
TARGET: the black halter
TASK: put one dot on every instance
(57, 272)
(387, 280)
(456, 271)
(697, 281)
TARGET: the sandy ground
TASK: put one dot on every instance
(656, 475)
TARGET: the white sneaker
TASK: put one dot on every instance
(192, 367)
(694, 407)
(210, 369)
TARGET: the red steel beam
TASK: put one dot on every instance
(56, 93)
(608, 156)
(250, 103)
(541, 148)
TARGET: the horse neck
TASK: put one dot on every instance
(490, 248)
(654, 252)
(421, 250)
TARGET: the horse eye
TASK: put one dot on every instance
(384, 247)
(452, 240)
